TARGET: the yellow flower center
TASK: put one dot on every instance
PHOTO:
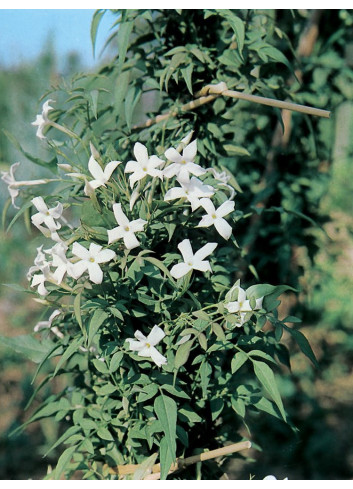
(91, 259)
(214, 216)
(127, 228)
(183, 162)
(144, 168)
(148, 345)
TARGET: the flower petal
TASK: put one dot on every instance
(120, 217)
(80, 251)
(141, 154)
(180, 270)
(226, 208)
(105, 255)
(110, 167)
(115, 234)
(155, 336)
(157, 357)
(222, 226)
(207, 204)
(39, 204)
(137, 225)
(205, 251)
(190, 151)
(95, 273)
(96, 170)
(186, 250)
(79, 268)
(172, 155)
(130, 240)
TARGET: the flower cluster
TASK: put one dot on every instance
(183, 184)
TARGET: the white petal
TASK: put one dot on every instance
(174, 193)
(95, 273)
(94, 250)
(137, 225)
(96, 170)
(186, 250)
(207, 204)
(155, 336)
(135, 345)
(140, 336)
(141, 154)
(222, 226)
(157, 357)
(40, 205)
(80, 251)
(232, 306)
(226, 208)
(115, 234)
(105, 255)
(79, 268)
(130, 240)
(259, 303)
(205, 251)
(245, 307)
(241, 295)
(56, 212)
(154, 162)
(120, 217)
(110, 167)
(202, 266)
(205, 222)
(171, 170)
(180, 270)
(132, 166)
(190, 151)
(172, 155)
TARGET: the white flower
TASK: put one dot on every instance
(40, 261)
(9, 179)
(183, 164)
(101, 177)
(39, 279)
(144, 165)
(61, 262)
(192, 191)
(90, 260)
(242, 305)
(215, 217)
(13, 186)
(46, 216)
(42, 120)
(146, 346)
(192, 261)
(48, 324)
(126, 229)
(272, 478)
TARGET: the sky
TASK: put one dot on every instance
(24, 33)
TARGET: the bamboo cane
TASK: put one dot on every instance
(181, 463)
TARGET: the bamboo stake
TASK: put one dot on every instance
(211, 92)
(181, 463)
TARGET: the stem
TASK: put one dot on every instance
(64, 130)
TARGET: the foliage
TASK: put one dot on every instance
(119, 407)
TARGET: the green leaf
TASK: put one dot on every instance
(182, 354)
(124, 31)
(116, 361)
(28, 346)
(98, 318)
(97, 17)
(70, 431)
(166, 458)
(187, 75)
(64, 460)
(205, 375)
(266, 376)
(166, 410)
(132, 97)
(104, 434)
(145, 467)
(303, 344)
(51, 165)
(217, 406)
(72, 348)
(232, 149)
(238, 361)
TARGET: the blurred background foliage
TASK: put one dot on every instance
(307, 171)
